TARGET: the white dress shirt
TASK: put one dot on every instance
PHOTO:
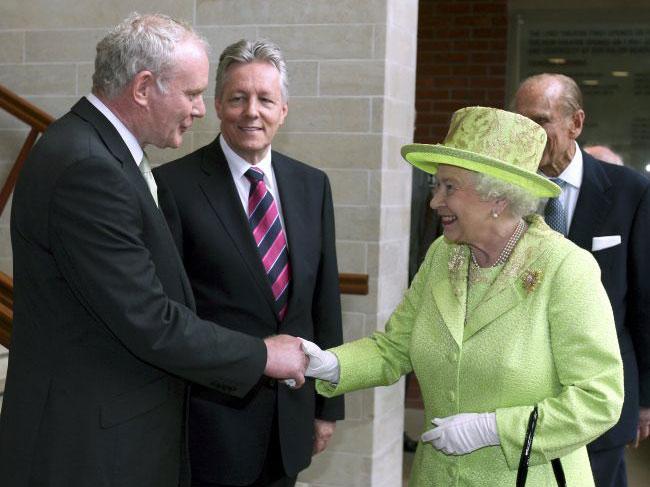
(238, 167)
(131, 142)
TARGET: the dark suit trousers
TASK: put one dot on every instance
(273, 474)
(608, 467)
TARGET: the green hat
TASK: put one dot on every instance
(501, 144)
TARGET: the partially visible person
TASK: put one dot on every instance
(603, 153)
(104, 331)
(604, 208)
(504, 315)
(255, 230)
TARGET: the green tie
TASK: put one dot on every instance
(145, 169)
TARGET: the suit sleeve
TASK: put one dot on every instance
(588, 366)
(638, 312)
(96, 224)
(326, 308)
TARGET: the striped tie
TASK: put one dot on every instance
(264, 220)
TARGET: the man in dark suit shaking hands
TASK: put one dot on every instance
(255, 231)
(605, 209)
(104, 327)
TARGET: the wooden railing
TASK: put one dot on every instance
(33, 116)
(38, 120)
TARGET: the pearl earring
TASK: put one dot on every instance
(495, 214)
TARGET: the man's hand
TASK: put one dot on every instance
(643, 430)
(323, 431)
(285, 359)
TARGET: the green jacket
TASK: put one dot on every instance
(543, 334)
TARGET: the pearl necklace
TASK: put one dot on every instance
(509, 247)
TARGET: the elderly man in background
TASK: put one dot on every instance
(104, 327)
(605, 209)
(255, 230)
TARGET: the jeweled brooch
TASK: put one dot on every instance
(531, 279)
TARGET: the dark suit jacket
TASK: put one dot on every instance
(615, 200)
(103, 322)
(229, 437)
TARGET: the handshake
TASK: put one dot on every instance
(292, 359)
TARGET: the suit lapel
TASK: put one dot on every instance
(218, 187)
(116, 145)
(593, 194)
(450, 295)
(508, 290)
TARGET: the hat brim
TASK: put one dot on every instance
(427, 157)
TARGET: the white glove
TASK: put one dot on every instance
(322, 364)
(463, 433)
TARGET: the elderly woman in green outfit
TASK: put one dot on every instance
(504, 315)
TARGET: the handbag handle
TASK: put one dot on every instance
(524, 459)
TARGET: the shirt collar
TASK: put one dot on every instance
(238, 165)
(572, 174)
(128, 138)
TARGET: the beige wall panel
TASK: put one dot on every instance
(349, 187)
(289, 11)
(353, 437)
(57, 14)
(394, 257)
(39, 79)
(219, 37)
(351, 256)
(395, 222)
(391, 291)
(403, 14)
(339, 115)
(12, 45)
(392, 156)
(401, 47)
(388, 470)
(353, 326)
(6, 266)
(400, 82)
(43, 46)
(6, 214)
(350, 78)
(333, 468)
(303, 78)
(357, 223)
(353, 405)
(354, 151)
(395, 186)
(5, 244)
(85, 78)
(398, 118)
(362, 304)
(322, 41)
(10, 143)
(377, 120)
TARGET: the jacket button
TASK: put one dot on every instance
(453, 357)
(452, 396)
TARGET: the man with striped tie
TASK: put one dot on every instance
(255, 230)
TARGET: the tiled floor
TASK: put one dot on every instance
(638, 460)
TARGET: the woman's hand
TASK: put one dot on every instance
(322, 364)
(463, 433)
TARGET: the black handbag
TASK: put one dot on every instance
(522, 471)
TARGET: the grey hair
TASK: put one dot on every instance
(246, 51)
(139, 43)
(520, 201)
(570, 97)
